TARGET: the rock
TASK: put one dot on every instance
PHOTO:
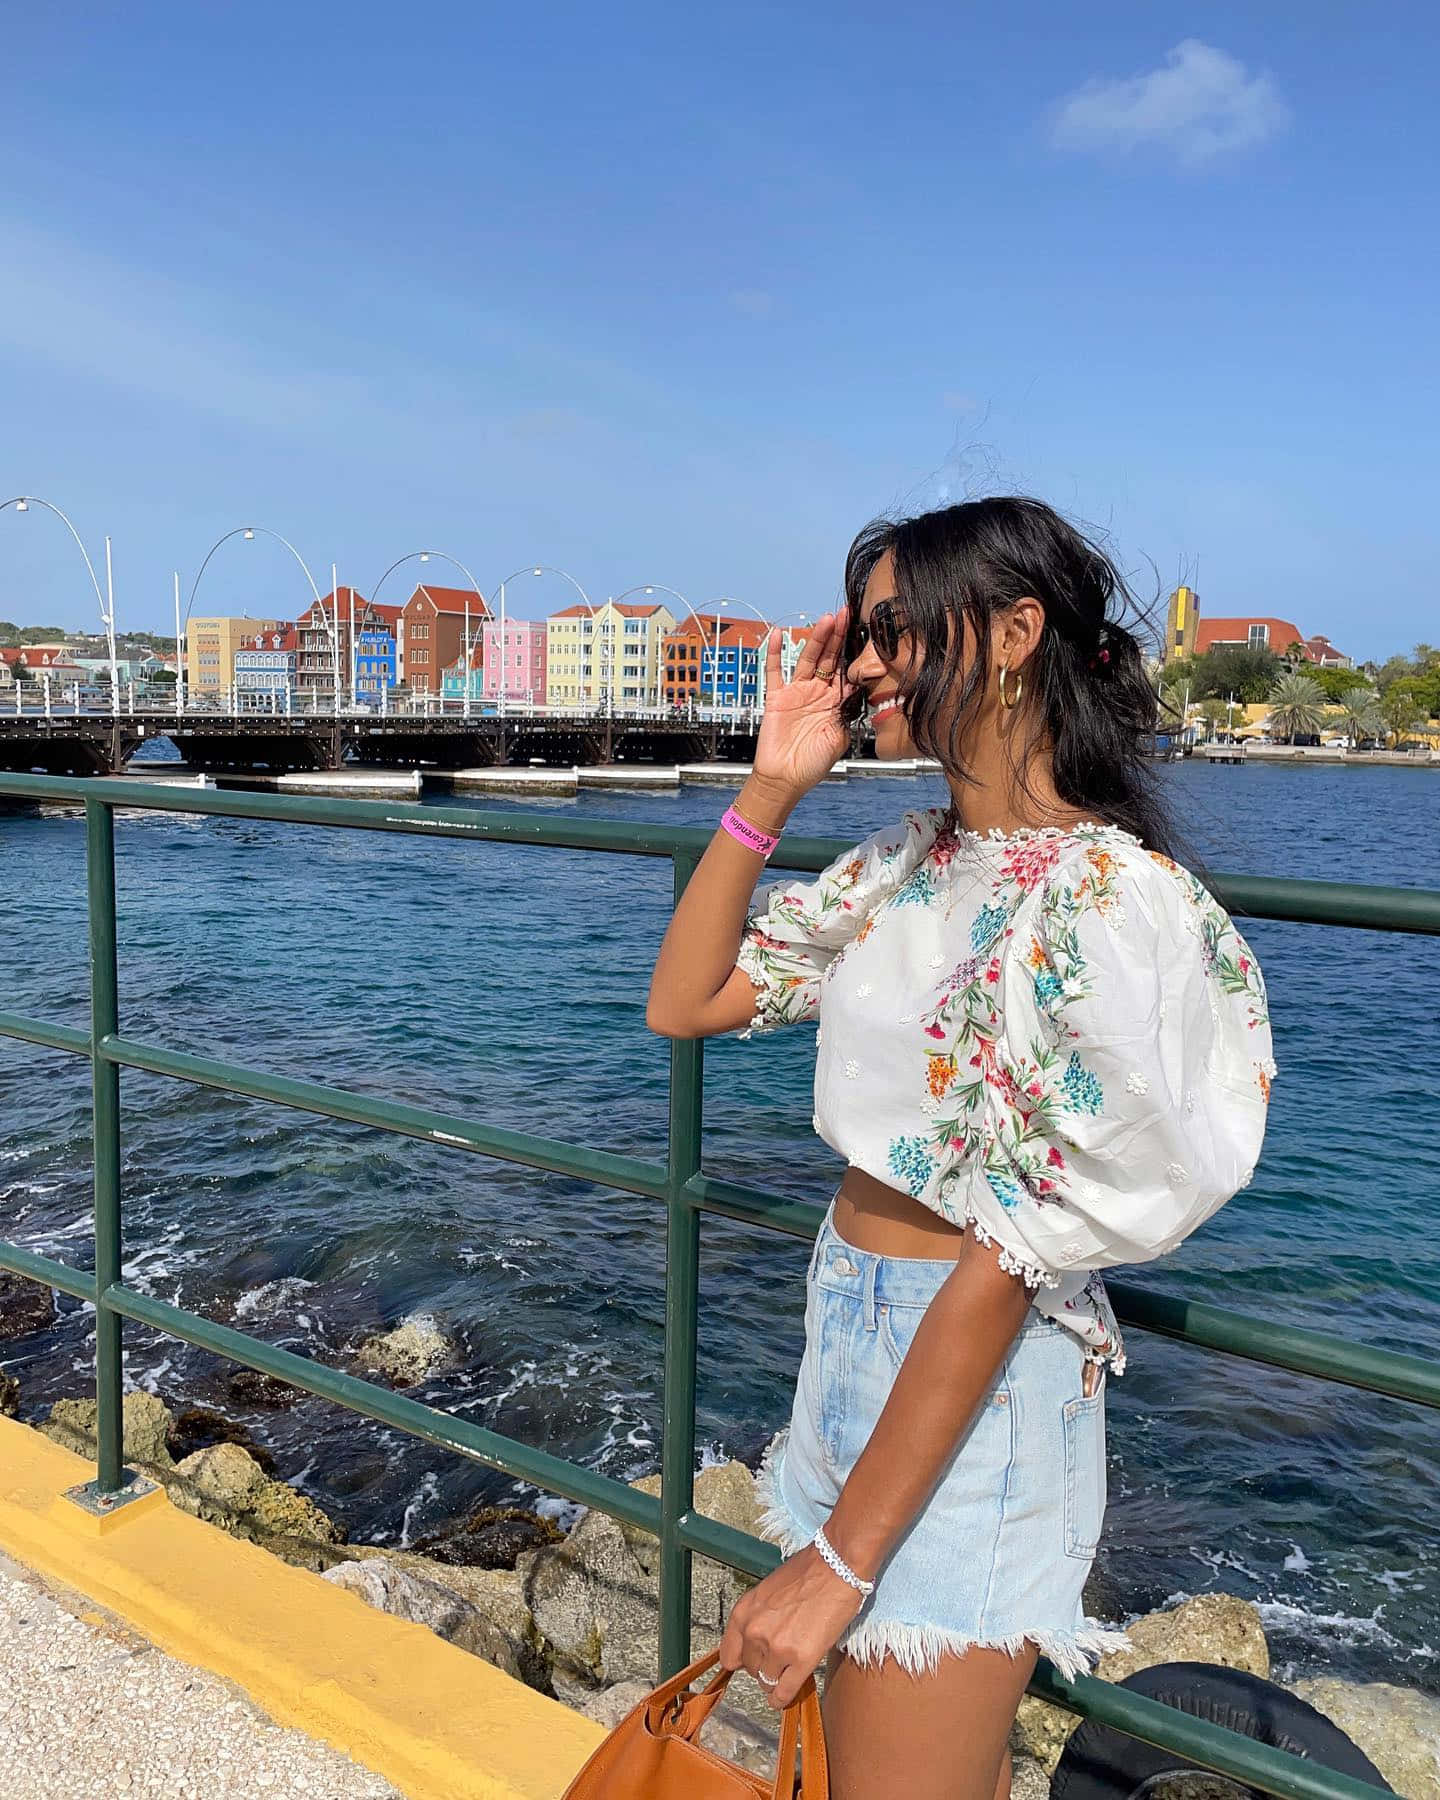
(594, 1603)
(1028, 1779)
(9, 1396)
(415, 1349)
(197, 1428)
(227, 1487)
(1397, 1728)
(491, 1538)
(24, 1306)
(382, 1584)
(145, 1429)
(612, 1704)
(1212, 1628)
(226, 1475)
(725, 1493)
(248, 1387)
(281, 1511)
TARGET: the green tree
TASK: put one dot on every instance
(1336, 683)
(1360, 714)
(1296, 704)
(1214, 713)
(1247, 674)
(1400, 710)
(1393, 669)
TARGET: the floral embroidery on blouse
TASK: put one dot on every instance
(1027, 1090)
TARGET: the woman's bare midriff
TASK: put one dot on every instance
(876, 1217)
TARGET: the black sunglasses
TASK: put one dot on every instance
(884, 628)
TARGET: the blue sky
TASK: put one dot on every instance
(657, 294)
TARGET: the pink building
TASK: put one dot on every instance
(520, 659)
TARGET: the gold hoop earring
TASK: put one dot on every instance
(1007, 701)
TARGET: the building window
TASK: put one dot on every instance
(1259, 636)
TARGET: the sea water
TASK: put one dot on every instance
(507, 983)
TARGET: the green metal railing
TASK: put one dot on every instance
(680, 1183)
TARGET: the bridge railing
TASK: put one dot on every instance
(682, 1189)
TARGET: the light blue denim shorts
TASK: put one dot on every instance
(1002, 1549)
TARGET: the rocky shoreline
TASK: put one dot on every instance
(576, 1614)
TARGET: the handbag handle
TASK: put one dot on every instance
(673, 1712)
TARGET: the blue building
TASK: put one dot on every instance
(731, 676)
(377, 665)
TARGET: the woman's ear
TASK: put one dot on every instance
(1018, 631)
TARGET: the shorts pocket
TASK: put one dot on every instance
(1084, 1432)
(898, 1325)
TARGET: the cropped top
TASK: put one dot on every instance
(1053, 1037)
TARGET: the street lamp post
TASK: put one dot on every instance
(651, 587)
(455, 563)
(247, 532)
(725, 604)
(106, 601)
(500, 690)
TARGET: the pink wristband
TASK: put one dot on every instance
(751, 836)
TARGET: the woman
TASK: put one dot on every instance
(1043, 1050)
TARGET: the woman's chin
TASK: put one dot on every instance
(893, 742)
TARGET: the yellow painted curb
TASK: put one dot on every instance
(438, 1723)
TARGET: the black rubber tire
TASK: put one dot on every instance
(1099, 1763)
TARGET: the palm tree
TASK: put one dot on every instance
(1400, 709)
(1213, 712)
(1295, 707)
(1360, 714)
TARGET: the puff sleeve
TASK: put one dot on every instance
(795, 929)
(1130, 1096)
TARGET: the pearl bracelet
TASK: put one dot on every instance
(838, 1564)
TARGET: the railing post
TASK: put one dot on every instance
(682, 1307)
(105, 1090)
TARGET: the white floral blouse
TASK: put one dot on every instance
(1055, 1037)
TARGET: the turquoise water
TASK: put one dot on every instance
(509, 983)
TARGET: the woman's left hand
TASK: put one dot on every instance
(787, 1624)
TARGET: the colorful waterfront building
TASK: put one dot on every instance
(614, 652)
(730, 673)
(345, 631)
(377, 652)
(433, 633)
(452, 678)
(210, 646)
(513, 662)
(265, 668)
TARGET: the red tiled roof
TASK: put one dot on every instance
(451, 600)
(1237, 631)
(327, 603)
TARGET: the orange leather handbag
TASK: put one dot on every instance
(652, 1754)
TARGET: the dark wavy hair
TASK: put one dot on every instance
(1087, 702)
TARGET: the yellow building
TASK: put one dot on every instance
(1182, 620)
(615, 654)
(210, 646)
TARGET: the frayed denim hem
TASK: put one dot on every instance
(919, 1648)
(777, 1523)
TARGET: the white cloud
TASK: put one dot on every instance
(1201, 103)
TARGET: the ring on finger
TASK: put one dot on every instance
(769, 1681)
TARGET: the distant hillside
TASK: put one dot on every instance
(84, 643)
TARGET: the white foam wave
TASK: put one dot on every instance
(265, 1301)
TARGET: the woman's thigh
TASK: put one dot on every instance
(939, 1736)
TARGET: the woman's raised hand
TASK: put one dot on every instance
(802, 735)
